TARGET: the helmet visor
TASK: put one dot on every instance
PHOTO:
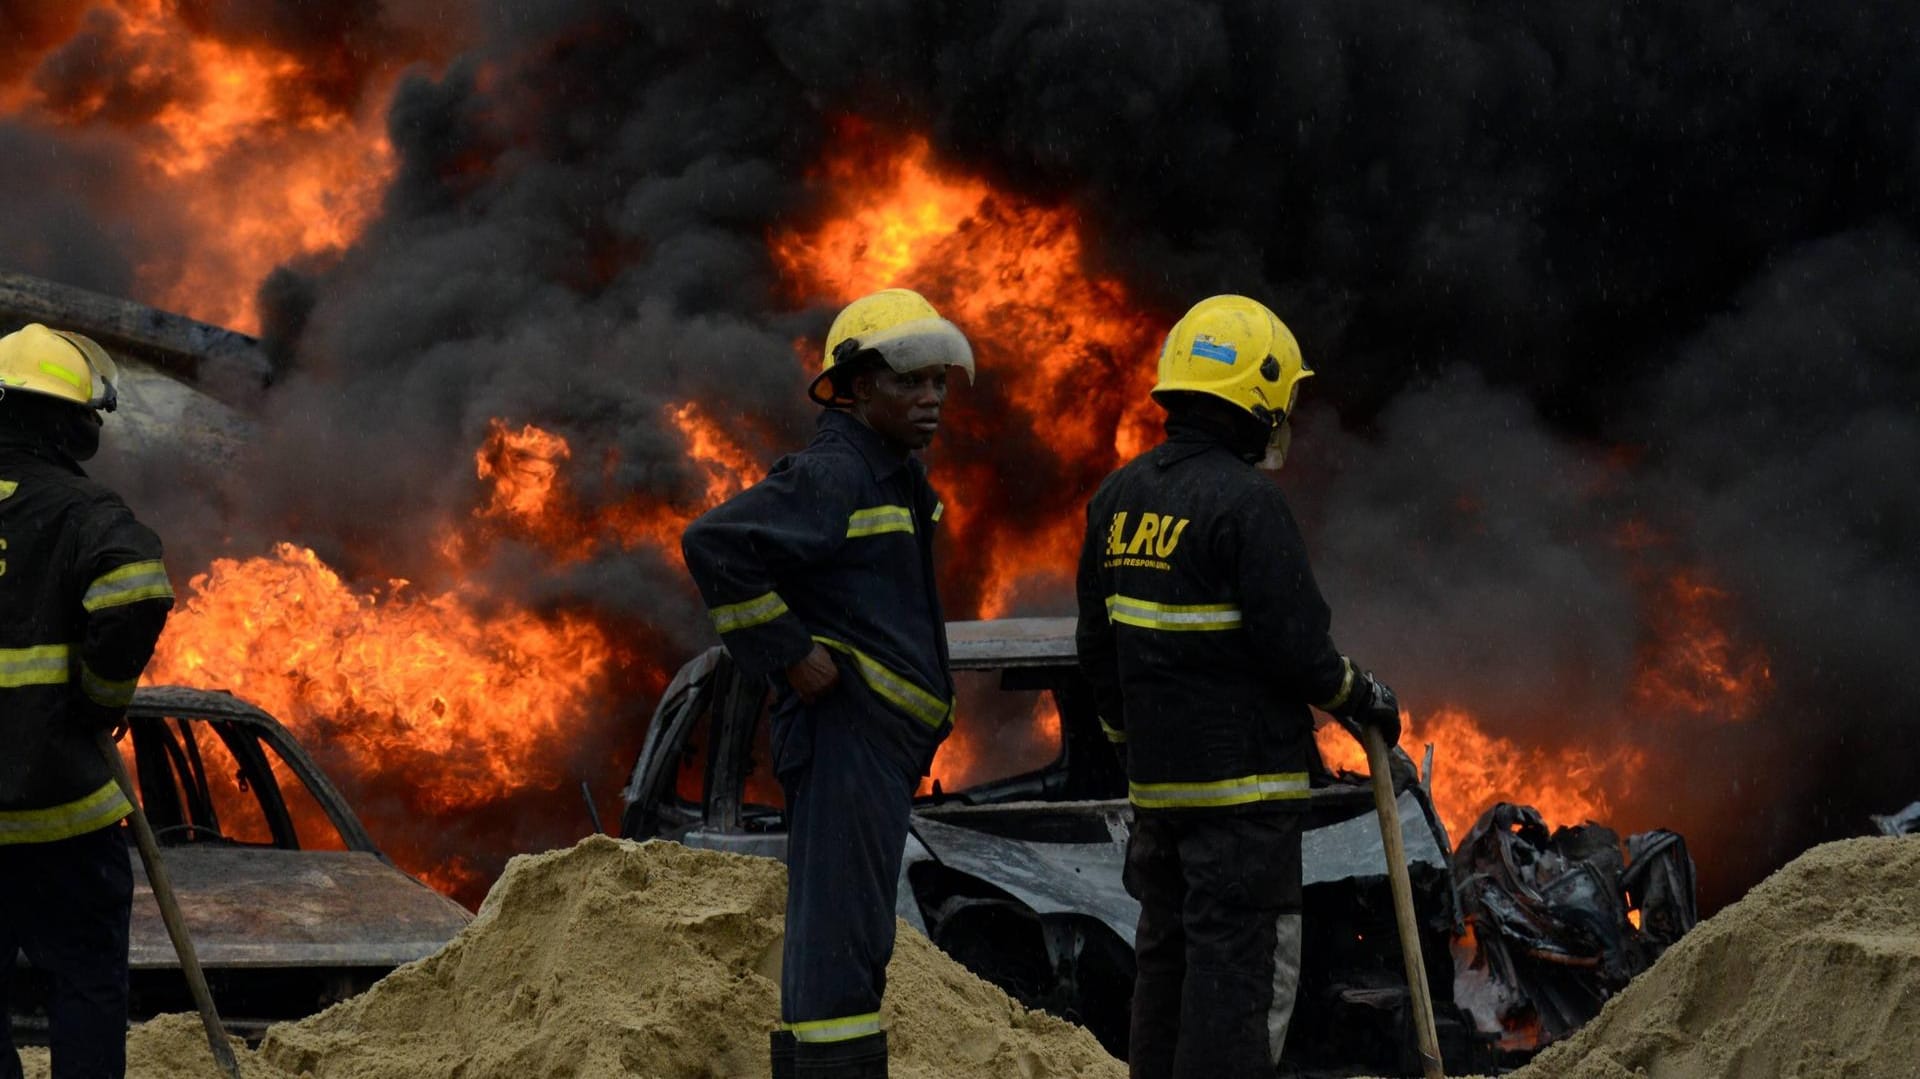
(101, 393)
(922, 343)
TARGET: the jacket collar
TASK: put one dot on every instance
(883, 458)
(18, 443)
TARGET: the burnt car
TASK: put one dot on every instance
(290, 905)
(1014, 856)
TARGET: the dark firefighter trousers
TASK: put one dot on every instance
(848, 801)
(1218, 944)
(66, 904)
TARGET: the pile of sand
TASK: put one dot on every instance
(1815, 973)
(615, 958)
(653, 960)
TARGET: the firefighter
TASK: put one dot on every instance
(820, 577)
(1206, 639)
(84, 596)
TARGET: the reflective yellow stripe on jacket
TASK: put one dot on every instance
(78, 817)
(130, 583)
(843, 1029)
(41, 665)
(1280, 786)
(878, 519)
(1172, 617)
(895, 688)
(747, 614)
(106, 692)
(1333, 703)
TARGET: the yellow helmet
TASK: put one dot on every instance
(56, 363)
(902, 328)
(1235, 349)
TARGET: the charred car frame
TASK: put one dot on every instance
(290, 904)
(1015, 871)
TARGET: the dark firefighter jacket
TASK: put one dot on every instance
(835, 545)
(83, 597)
(1202, 630)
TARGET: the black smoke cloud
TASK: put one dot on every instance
(1562, 269)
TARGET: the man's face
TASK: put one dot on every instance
(903, 407)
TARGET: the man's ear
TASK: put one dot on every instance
(862, 387)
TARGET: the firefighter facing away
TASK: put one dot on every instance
(820, 577)
(83, 596)
(1206, 641)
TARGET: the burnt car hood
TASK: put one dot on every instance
(1084, 877)
(259, 907)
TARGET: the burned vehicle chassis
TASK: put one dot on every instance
(281, 929)
(1018, 878)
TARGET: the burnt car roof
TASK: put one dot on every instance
(1011, 642)
(264, 907)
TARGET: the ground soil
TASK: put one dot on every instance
(615, 959)
(621, 959)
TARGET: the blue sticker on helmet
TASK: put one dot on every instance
(1207, 348)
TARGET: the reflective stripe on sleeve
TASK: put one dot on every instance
(1113, 733)
(41, 665)
(878, 519)
(939, 508)
(1172, 617)
(843, 1029)
(1281, 786)
(130, 583)
(747, 614)
(893, 687)
(78, 817)
(105, 691)
(1346, 687)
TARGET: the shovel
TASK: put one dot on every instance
(1389, 813)
(170, 914)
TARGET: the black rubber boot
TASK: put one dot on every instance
(856, 1058)
(780, 1047)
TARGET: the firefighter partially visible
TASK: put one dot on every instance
(1206, 641)
(83, 597)
(820, 579)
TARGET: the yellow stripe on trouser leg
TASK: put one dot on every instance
(843, 1029)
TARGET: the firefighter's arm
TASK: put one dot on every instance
(739, 551)
(1093, 636)
(1289, 622)
(126, 601)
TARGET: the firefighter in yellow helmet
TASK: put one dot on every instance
(820, 578)
(85, 596)
(1206, 641)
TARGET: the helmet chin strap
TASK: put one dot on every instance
(1278, 442)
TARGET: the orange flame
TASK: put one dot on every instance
(1068, 352)
(1472, 770)
(1691, 666)
(453, 700)
(258, 167)
(531, 499)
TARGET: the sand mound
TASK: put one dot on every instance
(1815, 973)
(616, 959)
(624, 959)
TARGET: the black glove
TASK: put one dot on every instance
(1374, 705)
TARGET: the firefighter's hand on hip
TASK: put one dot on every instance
(815, 675)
